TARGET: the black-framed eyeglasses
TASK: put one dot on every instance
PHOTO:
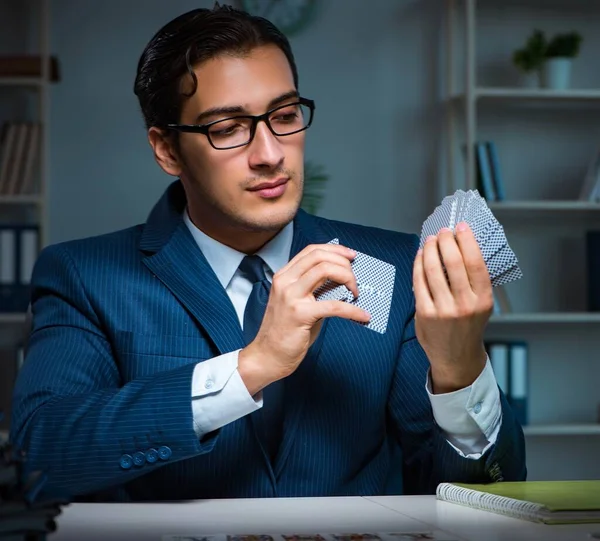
(239, 130)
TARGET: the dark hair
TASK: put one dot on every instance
(191, 38)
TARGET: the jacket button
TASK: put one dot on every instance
(164, 452)
(151, 456)
(126, 462)
(139, 458)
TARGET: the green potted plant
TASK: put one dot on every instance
(314, 183)
(529, 59)
(560, 52)
(548, 61)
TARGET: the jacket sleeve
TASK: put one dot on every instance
(72, 415)
(428, 458)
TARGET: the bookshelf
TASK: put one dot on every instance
(27, 71)
(563, 430)
(34, 82)
(12, 319)
(546, 318)
(22, 199)
(545, 140)
(541, 94)
(543, 206)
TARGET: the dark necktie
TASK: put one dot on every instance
(272, 410)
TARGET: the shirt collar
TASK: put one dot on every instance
(225, 260)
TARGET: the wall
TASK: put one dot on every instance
(372, 71)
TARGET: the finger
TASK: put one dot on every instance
(423, 299)
(454, 264)
(318, 274)
(313, 259)
(434, 272)
(477, 271)
(343, 251)
(341, 309)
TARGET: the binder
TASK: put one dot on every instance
(485, 180)
(498, 353)
(496, 173)
(519, 381)
(592, 247)
(8, 267)
(19, 248)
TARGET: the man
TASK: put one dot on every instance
(154, 370)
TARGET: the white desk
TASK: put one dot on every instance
(152, 521)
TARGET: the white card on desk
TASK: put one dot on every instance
(432, 535)
(375, 280)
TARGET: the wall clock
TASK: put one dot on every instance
(290, 16)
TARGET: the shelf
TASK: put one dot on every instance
(563, 430)
(537, 94)
(568, 206)
(540, 95)
(12, 319)
(21, 200)
(546, 317)
(22, 81)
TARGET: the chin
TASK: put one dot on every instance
(271, 218)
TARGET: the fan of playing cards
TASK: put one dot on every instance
(470, 207)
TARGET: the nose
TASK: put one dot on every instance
(266, 151)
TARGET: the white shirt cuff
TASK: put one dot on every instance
(470, 417)
(219, 395)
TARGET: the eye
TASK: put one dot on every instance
(287, 115)
(228, 127)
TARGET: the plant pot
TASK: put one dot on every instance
(556, 73)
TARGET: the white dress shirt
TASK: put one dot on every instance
(470, 417)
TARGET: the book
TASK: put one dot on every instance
(495, 169)
(549, 502)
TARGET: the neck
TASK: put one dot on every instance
(240, 238)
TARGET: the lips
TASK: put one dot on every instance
(269, 185)
(271, 190)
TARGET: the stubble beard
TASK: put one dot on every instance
(235, 219)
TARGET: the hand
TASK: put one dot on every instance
(451, 317)
(293, 317)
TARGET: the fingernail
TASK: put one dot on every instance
(444, 229)
(367, 314)
(430, 238)
(419, 251)
(462, 226)
(351, 251)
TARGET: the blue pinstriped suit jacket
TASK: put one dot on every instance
(119, 322)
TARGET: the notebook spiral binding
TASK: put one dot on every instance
(489, 502)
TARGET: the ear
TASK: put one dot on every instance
(164, 152)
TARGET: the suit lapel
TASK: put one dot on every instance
(306, 232)
(174, 258)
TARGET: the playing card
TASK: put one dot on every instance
(470, 207)
(356, 537)
(375, 280)
(438, 219)
(501, 262)
(182, 537)
(303, 537)
(431, 535)
(510, 275)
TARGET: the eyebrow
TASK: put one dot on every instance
(237, 109)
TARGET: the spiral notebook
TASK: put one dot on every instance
(550, 502)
